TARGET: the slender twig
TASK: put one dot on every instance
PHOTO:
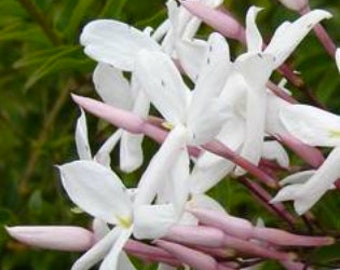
(265, 197)
(43, 22)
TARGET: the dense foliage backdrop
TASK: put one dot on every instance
(41, 63)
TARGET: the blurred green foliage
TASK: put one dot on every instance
(41, 63)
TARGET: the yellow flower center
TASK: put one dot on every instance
(334, 133)
(124, 222)
(168, 125)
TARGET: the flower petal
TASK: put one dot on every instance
(153, 221)
(97, 190)
(190, 54)
(131, 152)
(103, 154)
(112, 87)
(249, 65)
(124, 262)
(82, 140)
(207, 112)
(163, 84)
(307, 194)
(97, 252)
(337, 58)
(115, 43)
(311, 125)
(111, 259)
(205, 202)
(272, 150)
(160, 165)
(289, 35)
(253, 36)
(297, 178)
(205, 177)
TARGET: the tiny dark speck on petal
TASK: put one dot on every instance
(210, 48)
(163, 83)
(260, 55)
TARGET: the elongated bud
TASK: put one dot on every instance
(196, 259)
(296, 5)
(238, 227)
(66, 238)
(196, 235)
(220, 21)
(311, 155)
(120, 118)
(283, 238)
(251, 248)
(150, 253)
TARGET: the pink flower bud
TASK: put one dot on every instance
(296, 5)
(66, 238)
(220, 21)
(196, 235)
(191, 257)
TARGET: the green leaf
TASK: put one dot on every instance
(78, 15)
(38, 57)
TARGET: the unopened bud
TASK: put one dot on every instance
(296, 5)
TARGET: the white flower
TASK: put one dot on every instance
(99, 192)
(200, 111)
(314, 127)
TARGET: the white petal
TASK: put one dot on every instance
(163, 84)
(153, 221)
(208, 171)
(206, 202)
(273, 107)
(100, 229)
(272, 150)
(289, 35)
(207, 111)
(179, 181)
(337, 58)
(82, 140)
(307, 194)
(112, 87)
(124, 262)
(161, 30)
(111, 259)
(191, 56)
(253, 36)
(287, 193)
(96, 190)
(256, 104)
(115, 43)
(97, 252)
(131, 152)
(160, 165)
(298, 178)
(319, 183)
(103, 154)
(311, 125)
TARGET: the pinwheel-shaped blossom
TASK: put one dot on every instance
(98, 191)
(314, 127)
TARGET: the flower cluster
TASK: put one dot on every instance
(233, 121)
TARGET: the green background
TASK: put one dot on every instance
(41, 63)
